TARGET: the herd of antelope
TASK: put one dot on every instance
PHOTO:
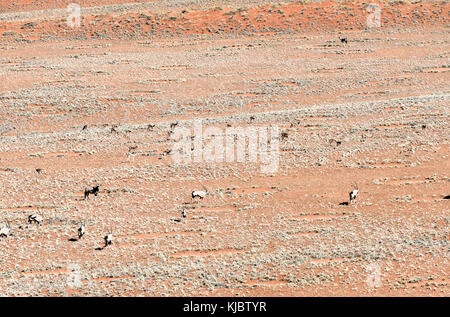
(38, 219)
(108, 238)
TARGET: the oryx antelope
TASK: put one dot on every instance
(81, 230)
(183, 213)
(343, 39)
(108, 238)
(199, 193)
(354, 193)
(35, 218)
(5, 231)
(93, 191)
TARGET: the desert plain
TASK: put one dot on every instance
(99, 103)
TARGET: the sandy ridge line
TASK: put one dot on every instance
(154, 235)
(37, 15)
(120, 8)
(356, 106)
(206, 253)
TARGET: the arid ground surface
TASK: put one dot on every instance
(97, 104)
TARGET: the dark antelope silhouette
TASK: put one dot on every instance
(81, 230)
(93, 191)
(354, 193)
(108, 238)
(35, 218)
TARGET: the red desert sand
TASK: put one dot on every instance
(358, 103)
